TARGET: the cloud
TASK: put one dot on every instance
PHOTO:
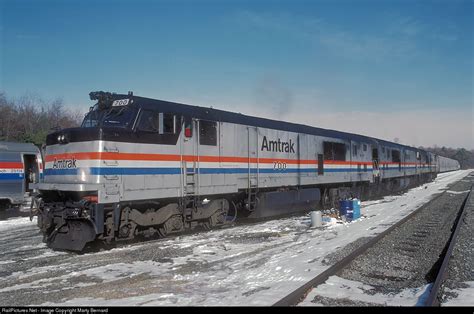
(441, 127)
(451, 128)
(411, 28)
(398, 37)
(406, 26)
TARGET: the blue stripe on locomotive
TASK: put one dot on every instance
(174, 171)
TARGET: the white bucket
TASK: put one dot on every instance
(316, 219)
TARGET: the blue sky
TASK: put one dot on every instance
(361, 66)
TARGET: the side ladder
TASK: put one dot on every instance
(252, 199)
(191, 189)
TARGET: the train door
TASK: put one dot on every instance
(320, 164)
(207, 156)
(375, 164)
(403, 161)
(354, 165)
(190, 158)
(417, 160)
(30, 165)
(302, 154)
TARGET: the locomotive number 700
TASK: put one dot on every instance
(279, 165)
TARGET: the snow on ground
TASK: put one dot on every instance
(14, 223)
(340, 288)
(255, 264)
(465, 296)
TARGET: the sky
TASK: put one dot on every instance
(389, 69)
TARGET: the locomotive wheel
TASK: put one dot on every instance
(161, 232)
(127, 231)
(217, 219)
(173, 224)
(206, 225)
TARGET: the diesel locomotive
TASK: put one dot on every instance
(145, 167)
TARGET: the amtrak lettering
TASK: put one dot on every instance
(278, 146)
(64, 163)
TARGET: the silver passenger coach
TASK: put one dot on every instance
(20, 165)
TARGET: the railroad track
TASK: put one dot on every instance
(431, 225)
(433, 298)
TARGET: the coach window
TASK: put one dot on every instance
(396, 156)
(334, 151)
(208, 133)
(354, 149)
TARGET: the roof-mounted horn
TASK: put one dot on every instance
(104, 99)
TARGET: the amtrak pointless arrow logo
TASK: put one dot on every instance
(277, 146)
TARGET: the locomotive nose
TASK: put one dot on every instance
(65, 228)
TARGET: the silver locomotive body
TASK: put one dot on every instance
(139, 166)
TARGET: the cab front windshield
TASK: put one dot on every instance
(122, 116)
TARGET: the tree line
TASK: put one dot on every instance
(464, 156)
(29, 118)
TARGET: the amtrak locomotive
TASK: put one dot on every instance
(140, 167)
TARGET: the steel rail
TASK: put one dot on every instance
(300, 293)
(432, 299)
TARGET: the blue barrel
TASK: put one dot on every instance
(350, 212)
(344, 206)
(355, 209)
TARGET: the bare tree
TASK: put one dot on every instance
(30, 118)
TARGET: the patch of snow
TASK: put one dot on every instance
(46, 254)
(339, 288)
(458, 192)
(465, 296)
(14, 223)
(113, 272)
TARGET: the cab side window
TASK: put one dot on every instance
(208, 133)
(148, 121)
(156, 122)
(169, 124)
